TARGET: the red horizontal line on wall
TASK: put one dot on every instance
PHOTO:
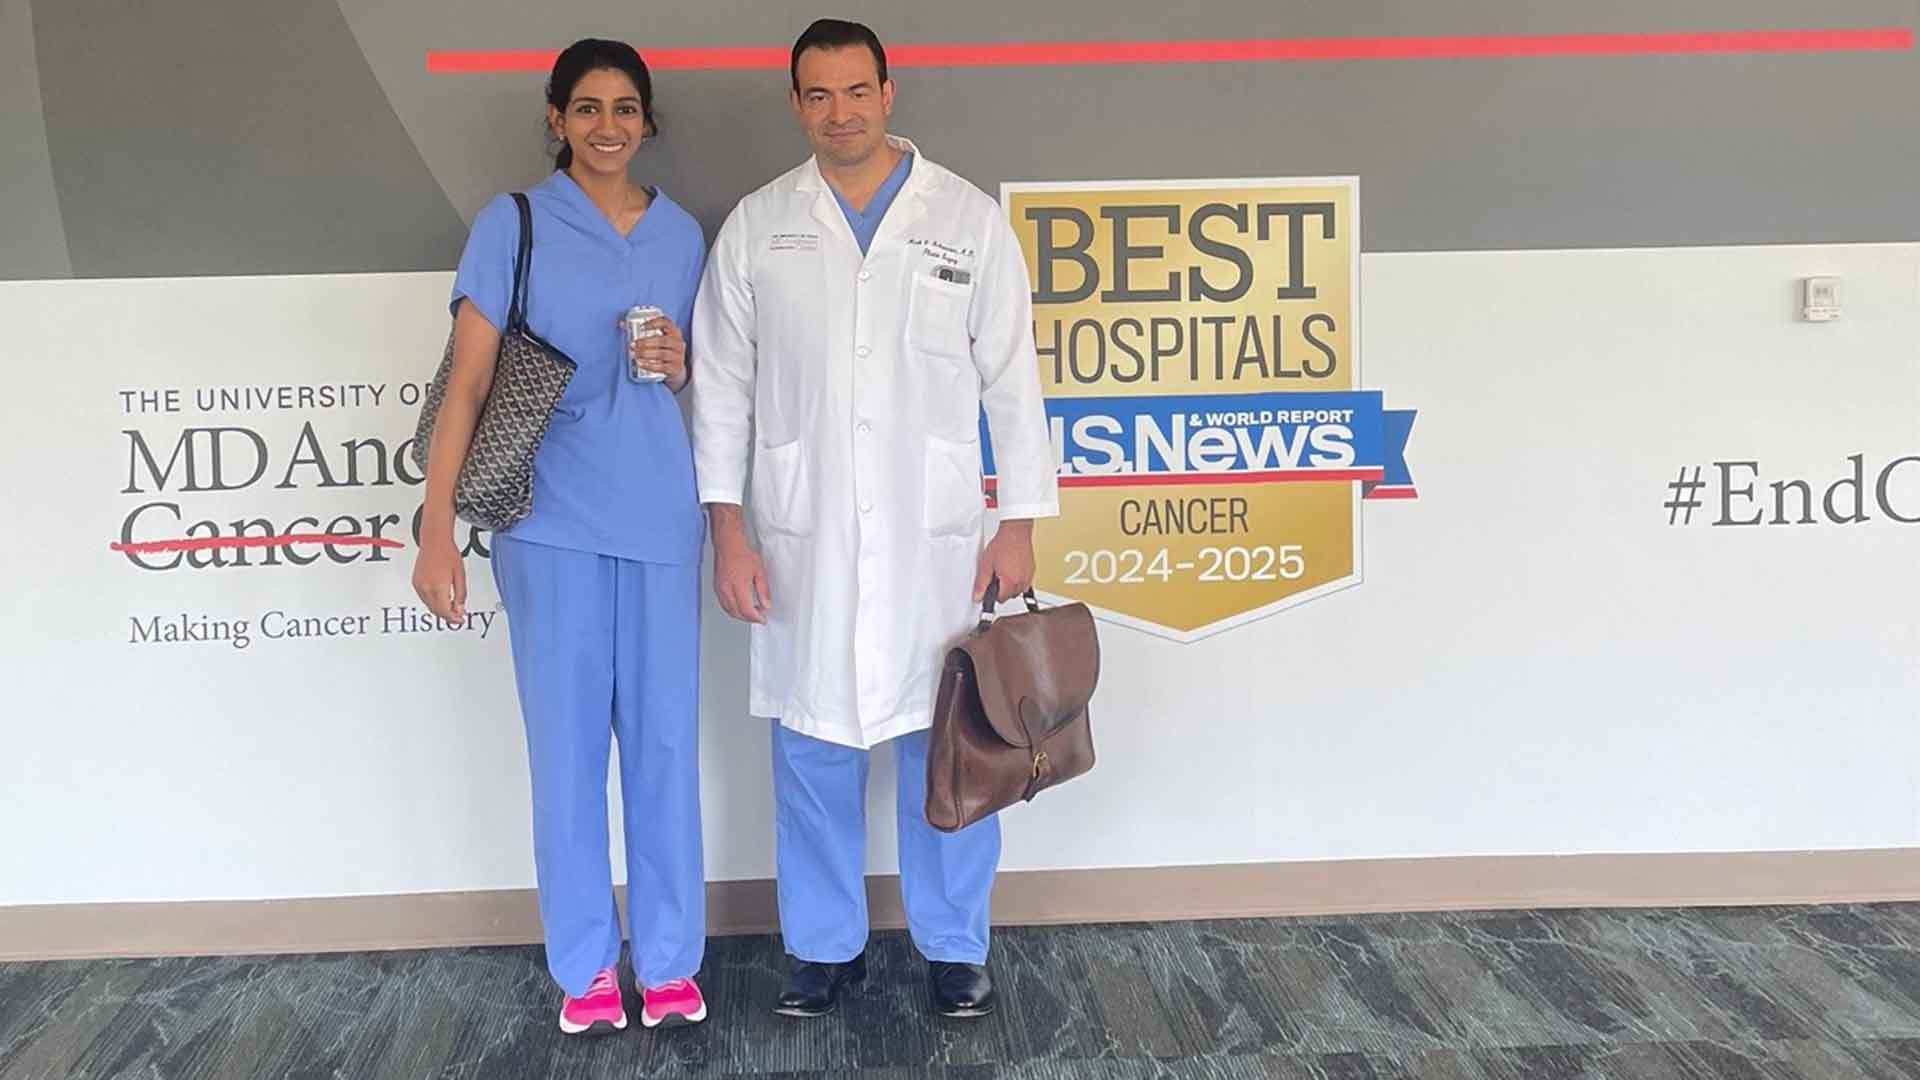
(1272, 50)
(457, 62)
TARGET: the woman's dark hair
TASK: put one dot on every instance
(596, 54)
(836, 34)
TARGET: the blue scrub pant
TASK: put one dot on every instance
(820, 827)
(605, 649)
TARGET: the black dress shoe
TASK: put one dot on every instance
(960, 989)
(814, 989)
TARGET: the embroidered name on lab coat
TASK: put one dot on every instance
(944, 254)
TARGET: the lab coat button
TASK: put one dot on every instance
(863, 351)
(865, 274)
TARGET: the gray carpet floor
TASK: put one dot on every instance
(1750, 992)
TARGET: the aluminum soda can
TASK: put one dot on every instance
(637, 318)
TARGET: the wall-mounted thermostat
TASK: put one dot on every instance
(1820, 299)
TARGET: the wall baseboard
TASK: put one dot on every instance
(1032, 897)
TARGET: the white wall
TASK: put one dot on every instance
(1536, 662)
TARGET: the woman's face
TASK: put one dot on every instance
(602, 122)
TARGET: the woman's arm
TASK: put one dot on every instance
(439, 573)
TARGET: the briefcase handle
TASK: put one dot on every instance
(992, 600)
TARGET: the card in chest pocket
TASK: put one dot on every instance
(937, 310)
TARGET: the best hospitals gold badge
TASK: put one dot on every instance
(1198, 344)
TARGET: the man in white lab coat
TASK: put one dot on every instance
(856, 315)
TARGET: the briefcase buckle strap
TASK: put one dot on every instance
(1033, 781)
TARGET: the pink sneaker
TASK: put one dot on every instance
(675, 1002)
(599, 1010)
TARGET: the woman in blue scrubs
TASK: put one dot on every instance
(600, 583)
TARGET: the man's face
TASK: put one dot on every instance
(842, 104)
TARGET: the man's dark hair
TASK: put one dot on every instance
(836, 34)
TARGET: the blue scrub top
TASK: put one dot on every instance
(614, 475)
(865, 224)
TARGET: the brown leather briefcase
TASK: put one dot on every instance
(1010, 719)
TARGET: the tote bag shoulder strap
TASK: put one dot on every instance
(522, 260)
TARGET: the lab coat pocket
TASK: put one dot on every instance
(954, 503)
(937, 318)
(781, 499)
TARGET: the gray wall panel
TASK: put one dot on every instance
(283, 137)
(229, 137)
(1627, 151)
(32, 243)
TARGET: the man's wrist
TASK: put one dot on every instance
(728, 527)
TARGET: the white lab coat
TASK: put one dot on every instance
(855, 386)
